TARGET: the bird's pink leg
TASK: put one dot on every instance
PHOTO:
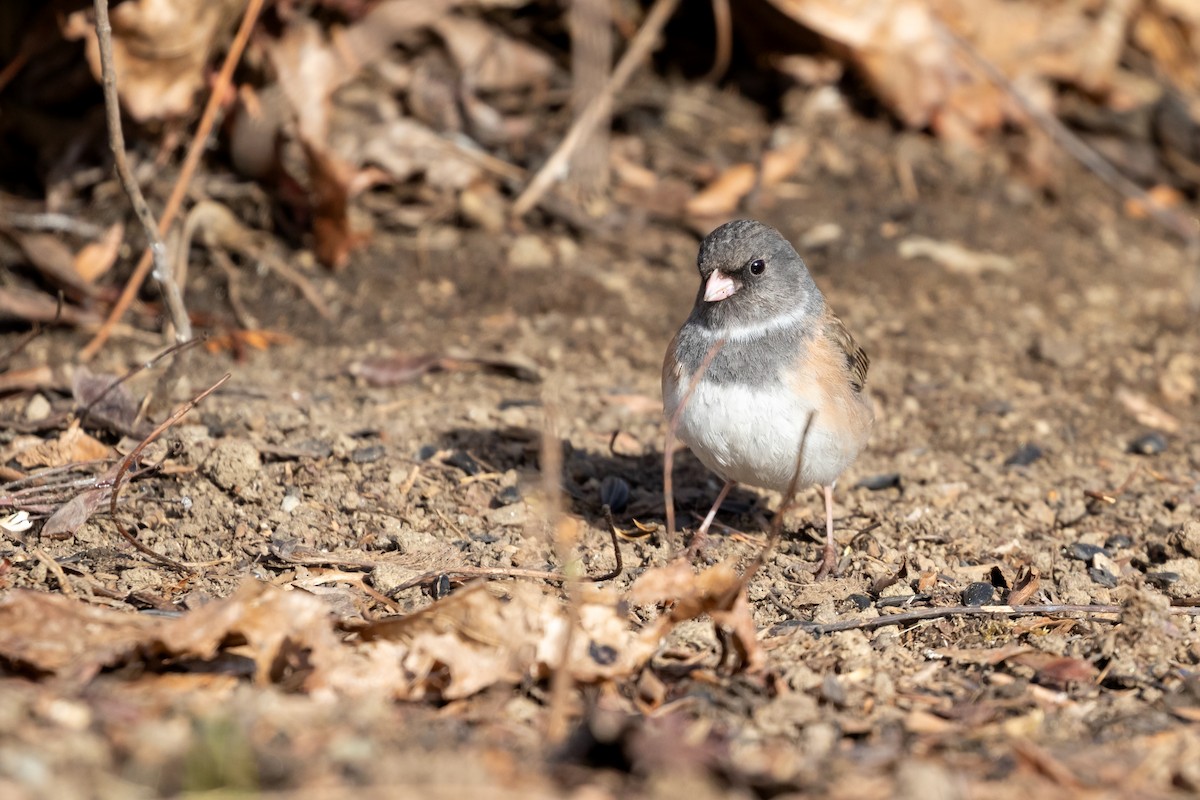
(697, 543)
(829, 560)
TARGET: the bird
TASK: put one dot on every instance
(780, 372)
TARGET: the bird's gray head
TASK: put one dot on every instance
(751, 277)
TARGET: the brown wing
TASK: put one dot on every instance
(856, 358)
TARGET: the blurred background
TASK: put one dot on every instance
(421, 234)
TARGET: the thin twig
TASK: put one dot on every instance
(175, 348)
(516, 572)
(175, 416)
(598, 109)
(195, 151)
(922, 614)
(116, 140)
(57, 571)
(669, 444)
(723, 23)
(1076, 147)
(563, 532)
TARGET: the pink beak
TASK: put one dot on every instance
(718, 287)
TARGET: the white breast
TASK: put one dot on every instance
(753, 436)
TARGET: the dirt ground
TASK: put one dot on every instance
(1009, 394)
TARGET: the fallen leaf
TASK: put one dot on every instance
(491, 60)
(96, 258)
(72, 446)
(107, 400)
(161, 49)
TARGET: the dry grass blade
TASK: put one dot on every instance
(116, 139)
(924, 614)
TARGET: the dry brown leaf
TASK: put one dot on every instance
(491, 60)
(107, 400)
(160, 50)
(96, 258)
(917, 72)
(289, 634)
(71, 447)
(405, 148)
(51, 257)
(49, 634)
(490, 634)
(1056, 670)
(1164, 196)
(66, 521)
(723, 194)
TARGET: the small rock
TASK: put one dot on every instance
(530, 252)
(368, 454)
(235, 466)
(507, 496)
(511, 515)
(1103, 577)
(861, 601)
(876, 483)
(1024, 456)
(1188, 539)
(37, 409)
(1148, 444)
(1060, 349)
(1162, 579)
(1082, 551)
(388, 576)
(1118, 541)
(978, 593)
(461, 460)
(290, 503)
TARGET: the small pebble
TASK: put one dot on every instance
(368, 454)
(1148, 444)
(1118, 541)
(978, 593)
(1162, 579)
(427, 452)
(289, 504)
(1082, 551)
(875, 483)
(1024, 456)
(464, 462)
(861, 601)
(1103, 577)
(614, 493)
(507, 496)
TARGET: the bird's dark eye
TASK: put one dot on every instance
(758, 266)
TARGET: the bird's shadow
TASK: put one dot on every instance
(591, 478)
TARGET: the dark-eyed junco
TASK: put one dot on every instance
(787, 371)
